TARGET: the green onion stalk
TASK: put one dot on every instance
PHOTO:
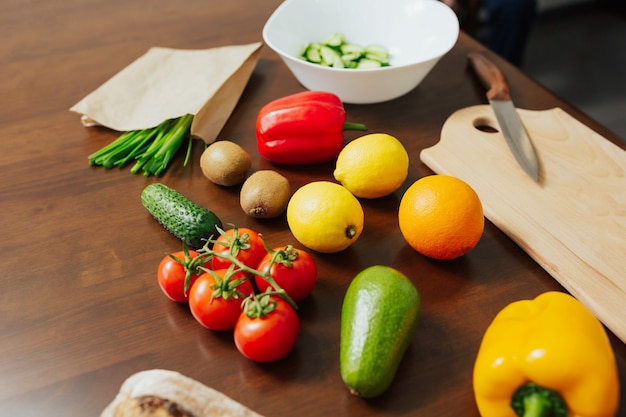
(152, 149)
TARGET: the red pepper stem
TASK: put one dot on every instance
(354, 126)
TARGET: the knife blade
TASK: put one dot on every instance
(511, 126)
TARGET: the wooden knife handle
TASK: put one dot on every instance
(490, 76)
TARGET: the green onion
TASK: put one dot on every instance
(152, 149)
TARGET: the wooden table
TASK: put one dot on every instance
(80, 309)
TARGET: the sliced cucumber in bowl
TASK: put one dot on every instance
(334, 51)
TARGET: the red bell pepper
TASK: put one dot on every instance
(303, 128)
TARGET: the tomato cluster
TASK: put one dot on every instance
(236, 282)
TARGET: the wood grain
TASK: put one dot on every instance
(573, 221)
(80, 309)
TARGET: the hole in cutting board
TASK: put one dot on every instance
(485, 124)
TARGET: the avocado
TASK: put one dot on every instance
(379, 317)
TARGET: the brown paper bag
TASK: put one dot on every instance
(167, 83)
(211, 118)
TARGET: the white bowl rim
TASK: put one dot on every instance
(301, 61)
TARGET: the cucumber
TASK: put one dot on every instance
(368, 63)
(330, 57)
(351, 48)
(335, 40)
(377, 51)
(188, 221)
(379, 317)
(335, 52)
(312, 53)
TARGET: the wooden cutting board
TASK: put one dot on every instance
(572, 221)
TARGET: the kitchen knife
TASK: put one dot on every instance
(511, 126)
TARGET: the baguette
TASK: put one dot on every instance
(163, 393)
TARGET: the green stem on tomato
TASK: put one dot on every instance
(192, 266)
(206, 251)
(266, 276)
(256, 306)
(226, 287)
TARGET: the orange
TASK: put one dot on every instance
(441, 217)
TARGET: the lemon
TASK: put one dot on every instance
(325, 217)
(372, 166)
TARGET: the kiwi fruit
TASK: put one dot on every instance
(225, 163)
(265, 194)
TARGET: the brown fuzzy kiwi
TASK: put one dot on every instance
(265, 194)
(225, 163)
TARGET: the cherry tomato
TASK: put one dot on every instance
(215, 302)
(270, 337)
(294, 271)
(174, 269)
(243, 243)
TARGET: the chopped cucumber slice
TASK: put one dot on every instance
(338, 63)
(350, 48)
(377, 50)
(382, 60)
(312, 54)
(334, 41)
(352, 56)
(329, 55)
(368, 63)
(349, 63)
(335, 52)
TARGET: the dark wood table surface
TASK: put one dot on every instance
(80, 309)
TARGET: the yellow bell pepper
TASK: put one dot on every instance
(546, 357)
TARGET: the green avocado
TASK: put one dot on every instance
(379, 317)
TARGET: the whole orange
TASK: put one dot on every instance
(441, 217)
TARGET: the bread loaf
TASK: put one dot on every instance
(163, 393)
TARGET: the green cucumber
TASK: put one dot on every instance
(351, 48)
(312, 53)
(188, 221)
(377, 51)
(335, 52)
(330, 57)
(368, 63)
(379, 317)
(335, 40)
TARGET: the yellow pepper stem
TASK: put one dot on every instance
(532, 400)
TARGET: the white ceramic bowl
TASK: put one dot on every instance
(417, 34)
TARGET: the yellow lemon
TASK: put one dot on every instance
(325, 217)
(372, 166)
